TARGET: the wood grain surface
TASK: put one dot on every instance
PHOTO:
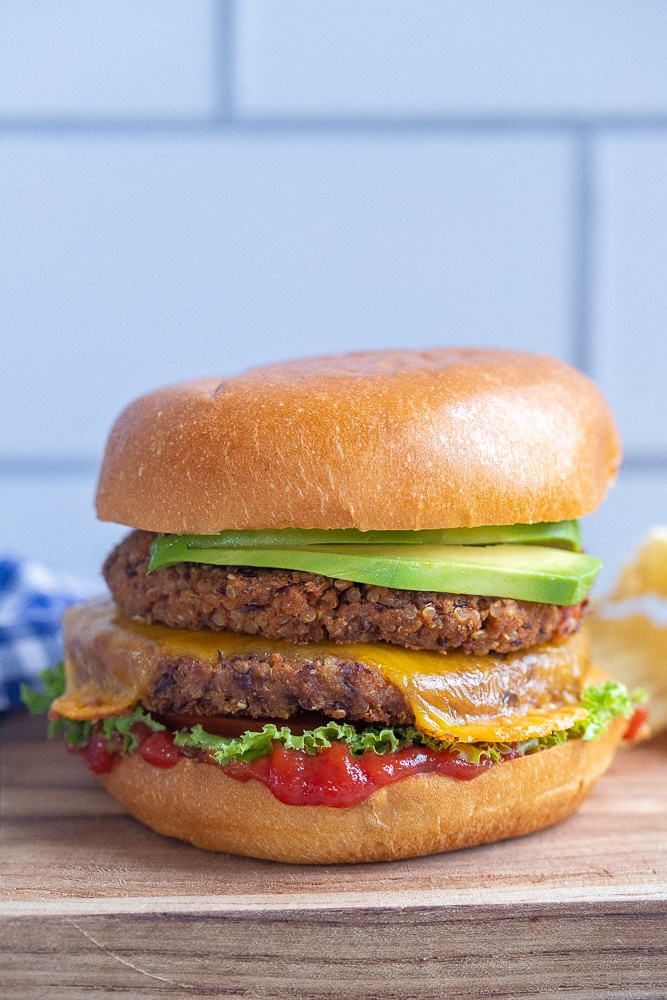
(93, 904)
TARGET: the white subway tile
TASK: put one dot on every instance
(636, 503)
(630, 286)
(51, 519)
(451, 57)
(108, 58)
(131, 263)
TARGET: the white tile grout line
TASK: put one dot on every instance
(224, 68)
(225, 121)
(582, 255)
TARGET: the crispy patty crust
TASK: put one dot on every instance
(305, 607)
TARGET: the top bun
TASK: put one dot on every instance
(377, 440)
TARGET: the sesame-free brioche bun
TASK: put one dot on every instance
(424, 814)
(377, 440)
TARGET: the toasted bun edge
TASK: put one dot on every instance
(424, 814)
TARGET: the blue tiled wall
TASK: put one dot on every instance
(191, 187)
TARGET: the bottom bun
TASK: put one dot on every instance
(424, 814)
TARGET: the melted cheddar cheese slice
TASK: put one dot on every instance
(111, 663)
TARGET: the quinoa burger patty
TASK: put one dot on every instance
(304, 607)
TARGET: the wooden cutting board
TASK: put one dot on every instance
(93, 904)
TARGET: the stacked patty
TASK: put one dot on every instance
(300, 608)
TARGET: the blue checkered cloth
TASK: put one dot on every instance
(32, 601)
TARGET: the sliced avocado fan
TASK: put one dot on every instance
(524, 572)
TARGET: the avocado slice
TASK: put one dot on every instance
(524, 572)
(559, 534)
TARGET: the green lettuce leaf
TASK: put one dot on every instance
(52, 686)
(117, 729)
(603, 704)
(251, 745)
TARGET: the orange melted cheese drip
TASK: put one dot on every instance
(110, 664)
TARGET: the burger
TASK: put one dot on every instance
(345, 626)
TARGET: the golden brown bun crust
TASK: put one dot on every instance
(379, 440)
(424, 814)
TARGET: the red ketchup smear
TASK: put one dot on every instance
(636, 722)
(158, 749)
(97, 755)
(332, 777)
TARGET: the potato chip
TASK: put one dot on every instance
(628, 630)
(647, 572)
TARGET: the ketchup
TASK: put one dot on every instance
(329, 777)
(159, 749)
(99, 759)
(333, 777)
(636, 722)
